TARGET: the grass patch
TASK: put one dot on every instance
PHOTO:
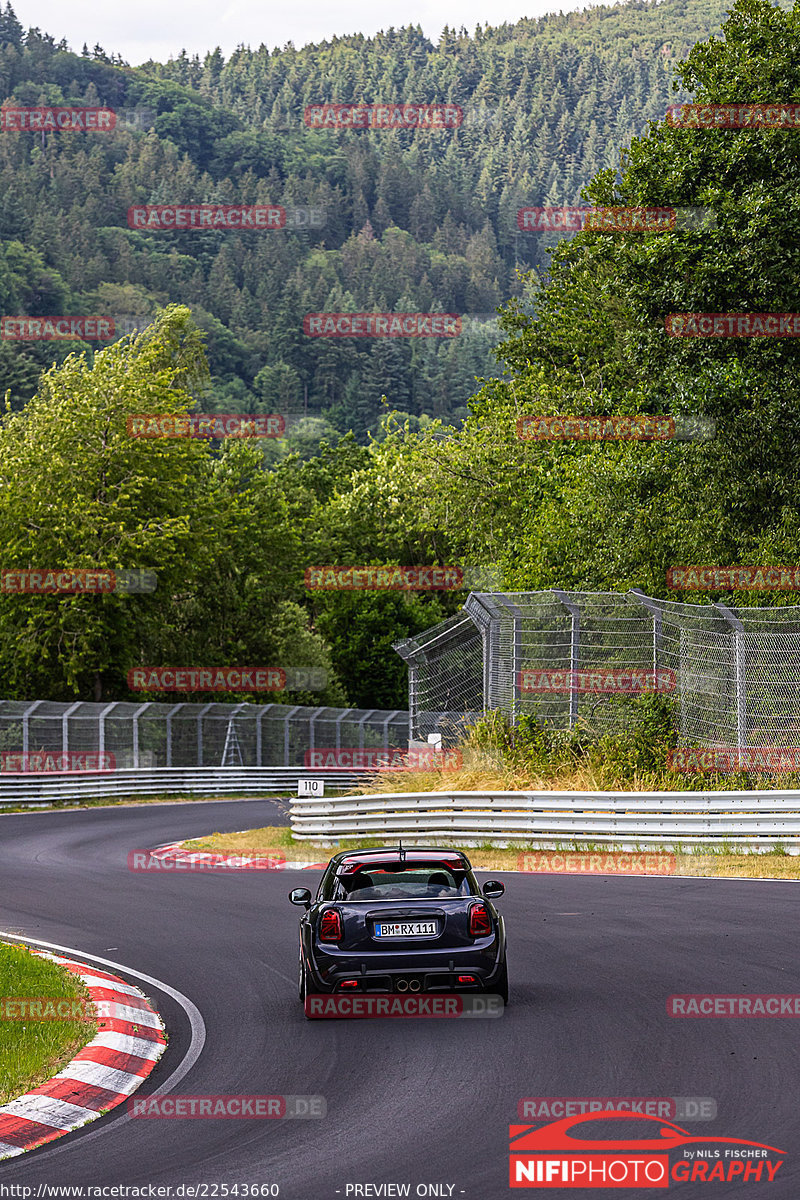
(491, 771)
(711, 862)
(33, 1051)
(527, 756)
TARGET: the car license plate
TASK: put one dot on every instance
(403, 929)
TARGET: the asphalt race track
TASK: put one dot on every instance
(592, 961)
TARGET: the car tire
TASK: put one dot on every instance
(501, 987)
(302, 986)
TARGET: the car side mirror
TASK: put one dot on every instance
(493, 887)
(300, 896)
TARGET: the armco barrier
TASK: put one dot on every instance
(641, 818)
(34, 788)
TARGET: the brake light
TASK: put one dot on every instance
(480, 923)
(349, 983)
(467, 979)
(330, 927)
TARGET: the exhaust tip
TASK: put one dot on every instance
(402, 985)
(415, 986)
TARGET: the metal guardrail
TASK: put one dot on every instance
(34, 789)
(531, 818)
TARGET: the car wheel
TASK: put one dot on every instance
(302, 987)
(501, 987)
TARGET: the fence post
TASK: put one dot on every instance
(200, 716)
(168, 723)
(295, 708)
(101, 732)
(738, 666)
(366, 714)
(413, 696)
(656, 614)
(681, 685)
(386, 724)
(259, 731)
(516, 665)
(65, 726)
(135, 719)
(26, 716)
(311, 727)
(339, 720)
(574, 651)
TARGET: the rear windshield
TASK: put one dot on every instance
(398, 881)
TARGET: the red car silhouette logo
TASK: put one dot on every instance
(557, 1137)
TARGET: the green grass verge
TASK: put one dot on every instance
(32, 1051)
(716, 861)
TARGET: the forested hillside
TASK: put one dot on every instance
(414, 220)
(227, 528)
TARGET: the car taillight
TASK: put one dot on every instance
(330, 927)
(480, 923)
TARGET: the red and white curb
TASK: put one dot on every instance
(178, 857)
(101, 1075)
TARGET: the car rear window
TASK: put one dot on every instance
(398, 881)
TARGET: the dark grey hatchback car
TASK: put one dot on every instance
(401, 919)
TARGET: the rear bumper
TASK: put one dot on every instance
(431, 971)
